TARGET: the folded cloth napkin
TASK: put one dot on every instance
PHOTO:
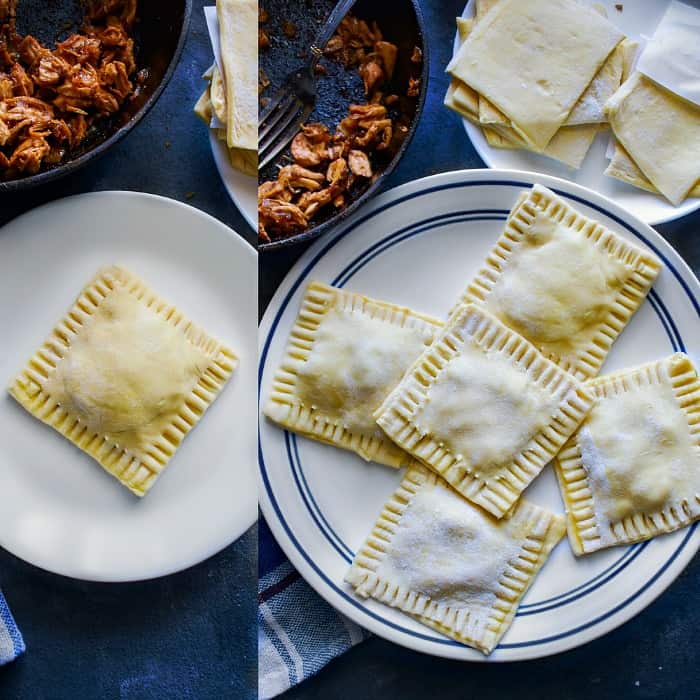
(298, 632)
(11, 642)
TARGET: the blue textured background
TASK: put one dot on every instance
(190, 636)
(654, 655)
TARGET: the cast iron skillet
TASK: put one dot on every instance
(401, 22)
(159, 35)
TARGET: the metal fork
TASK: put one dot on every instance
(293, 102)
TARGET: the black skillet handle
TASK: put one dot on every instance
(329, 26)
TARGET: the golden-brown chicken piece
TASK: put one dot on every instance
(274, 189)
(372, 74)
(49, 70)
(311, 202)
(310, 146)
(281, 217)
(116, 44)
(387, 52)
(353, 39)
(359, 164)
(79, 49)
(77, 125)
(114, 77)
(24, 109)
(22, 83)
(6, 86)
(378, 135)
(295, 177)
(30, 50)
(337, 173)
(27, 157)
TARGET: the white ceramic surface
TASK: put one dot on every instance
(58, 509)
(243, 189)
(637, 19)
(419, 245)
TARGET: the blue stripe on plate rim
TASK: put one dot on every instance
(667, 321)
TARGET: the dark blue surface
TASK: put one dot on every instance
(653, 655)
(190, 636)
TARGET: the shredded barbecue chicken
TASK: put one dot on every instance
(327, 165)
(50, 98)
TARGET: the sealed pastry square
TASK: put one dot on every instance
(563, 281)
(124, 376)
(632, 470)
(484, 409)
(344, 355)
(452, 566)
(533, 59)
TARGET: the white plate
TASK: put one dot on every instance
(58, 509)
(243, 189)
(638, 17)
(419, 245)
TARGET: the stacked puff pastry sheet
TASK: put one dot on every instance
(230, 101)
(548, 75)
(535, 74)
(475, 407)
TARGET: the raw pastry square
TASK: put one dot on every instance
(566, 283)
(345, 354)
(570, 145)
(632, 470)
(451, 565)
(124, 376)
(484, 409)
(661, 133)
(533, 59)
(239, 53)
(589, 107)
(623, 168)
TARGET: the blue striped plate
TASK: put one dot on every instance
(418, 245)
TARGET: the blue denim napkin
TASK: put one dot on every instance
(11, 642)
(298, 632)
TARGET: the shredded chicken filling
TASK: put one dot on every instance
(49, 98)
(327, 165)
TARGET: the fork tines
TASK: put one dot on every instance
(279, 124)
